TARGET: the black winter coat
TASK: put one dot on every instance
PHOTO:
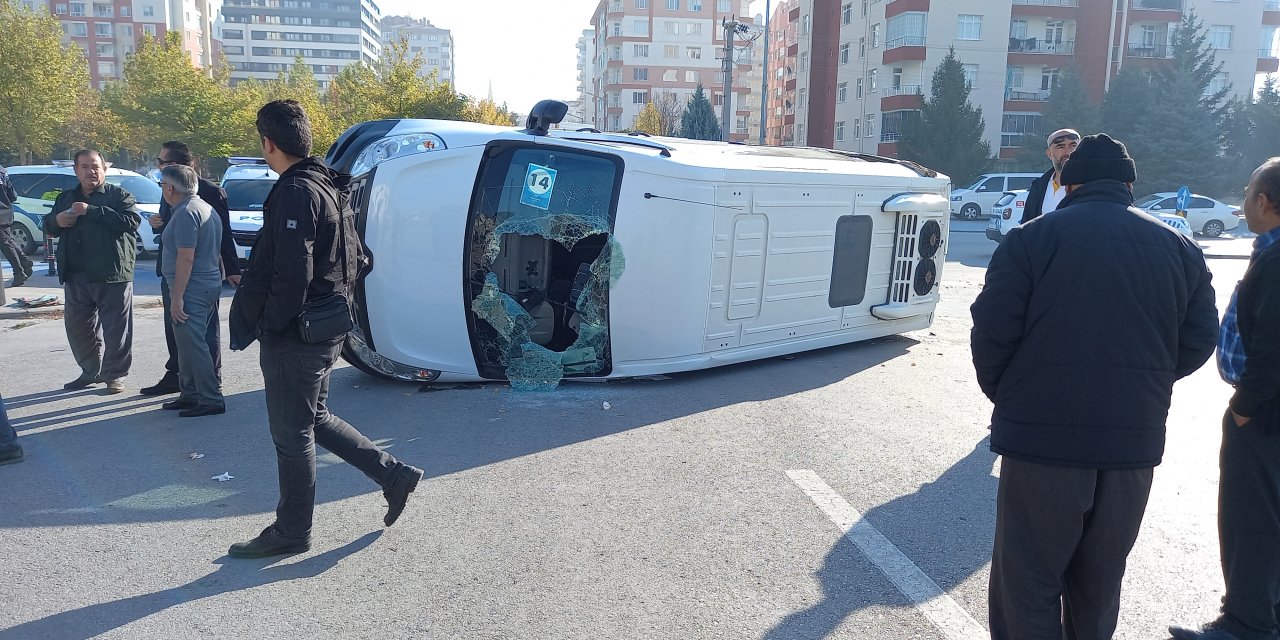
(298, 255)
(1035, 197)
(1088, 316)
(1257, 316)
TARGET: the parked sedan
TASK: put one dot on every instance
(1205, 216)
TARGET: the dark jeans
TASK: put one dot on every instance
(8, 437)
(13, 253)
(99, 322)
(1249, 525)
(212, 337)
(1063, 535)
(295, 375)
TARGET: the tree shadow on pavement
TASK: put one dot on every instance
(232, 575)
(946, 528)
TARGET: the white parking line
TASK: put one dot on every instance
(950, 618)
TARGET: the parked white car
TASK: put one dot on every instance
(1007, 212)
(1205, 216)
(969, 202)
(39, 185)
(247, 183)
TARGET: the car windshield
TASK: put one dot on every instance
(1006, 199)
(143, 190)
(1147, 201)
(247, 195)
(975, 183)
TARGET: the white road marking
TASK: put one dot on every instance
(927, 597)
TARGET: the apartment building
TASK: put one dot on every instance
(109, 30)
(435, 44)
(261, 38)
(1012, 52)
(585, 109)
(649, 49)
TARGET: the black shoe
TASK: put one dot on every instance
(19, 278)
(181, 404)
(398, 493)
(199, 410)
(269, 543)
(80, 383)
(167, 385)
(1210, 631)
(10, 456)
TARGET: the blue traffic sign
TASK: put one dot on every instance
(1184, 198)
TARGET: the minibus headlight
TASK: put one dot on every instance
(394, 147)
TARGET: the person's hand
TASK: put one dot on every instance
(66, 219)
(1239, 419)
(156, 222)
(175, 310)
(80, 208)
(234, 280)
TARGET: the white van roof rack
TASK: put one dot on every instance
(617, 138)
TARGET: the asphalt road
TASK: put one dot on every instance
(702, 506)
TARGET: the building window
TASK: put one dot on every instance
(617, 29)
(875, 35)
(1013, 79)
(805, 23)
(60, 9)
(670, 75)
(871, 80)
(1219, 83)
(693, 53)
(693, 28)
(857, 89)
(77, 9)
(969, 27)
(844, 53)
(970, 74)
(670, 51)
(862, 48)
(695, 5)
(840, 131)
(906, 30)
(673, 5)
(125, 11)
(642, 4)
(691, 76)
(615, 100)
(864, 8)
(149, 30)
(671, 28)
(1013, 126)
(102, 29)
(1018, 30)
(804, 61)
(870, 129)
(640, 73)
(639, 97)
(1048, 79)
(1220, 36)
(640, 50)
(1267, 42)
(613, 123)
(723, 6)
(846, 13)
(148, 10)
(804, 97)
(842, 92)
(106, 69)
(857, 127)
(128, 31)
(641, 27)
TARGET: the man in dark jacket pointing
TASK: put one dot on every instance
(1088, 316)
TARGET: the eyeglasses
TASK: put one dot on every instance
(161, 162)
(1066, 137)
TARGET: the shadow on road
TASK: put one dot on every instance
(232, 575)
(946, 528)
(112, 465)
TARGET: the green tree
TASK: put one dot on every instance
(1250, 135)
(487, 112)
(164, 97)
(41, 81)
(699, 120)
(1130, 100)
(1068, 107)
(947, 133)
(392, 87)
(649, 120)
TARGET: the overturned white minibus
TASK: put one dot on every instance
(535, 256)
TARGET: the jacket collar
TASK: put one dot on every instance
(1099, 191)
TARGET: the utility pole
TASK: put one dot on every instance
(764, 82)
(731, 28)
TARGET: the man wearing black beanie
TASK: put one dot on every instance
(1088, 316)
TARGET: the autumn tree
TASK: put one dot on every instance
(41, 81)
(487, 112)
(649, 120)
(392, 87)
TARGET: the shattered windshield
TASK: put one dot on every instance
(543, 259)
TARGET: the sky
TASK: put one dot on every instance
(527, 49)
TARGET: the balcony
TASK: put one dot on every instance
(903, 90)
(1158, 5)
(1139, 50)
(1040, 95)
(1049, 3)
(1271, 5)
(905, 41)
(1265, 54)
(890, 137)
(1037, 45)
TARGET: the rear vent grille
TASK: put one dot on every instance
(904, 258)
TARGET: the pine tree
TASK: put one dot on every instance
(947, 134)
(699, 121)
(1129, 100)
(1068, 107)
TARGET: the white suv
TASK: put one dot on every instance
(39, 185)
(247, 183)
(970, 202)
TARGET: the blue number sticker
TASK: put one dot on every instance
(539, 183)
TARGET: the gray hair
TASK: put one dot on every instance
(182, 177)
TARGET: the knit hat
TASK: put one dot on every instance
(1099, 158)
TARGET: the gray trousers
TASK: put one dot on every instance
(1063, 536)
(196, 376)
(99, 322)
(1249, 525)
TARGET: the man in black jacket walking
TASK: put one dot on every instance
(1078, 337)
(307, 250)
(1047, 191)
(1249, 485)
(174, 152)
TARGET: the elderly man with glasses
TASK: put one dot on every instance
(175, 153)
(1047, 191)
(192, 265)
